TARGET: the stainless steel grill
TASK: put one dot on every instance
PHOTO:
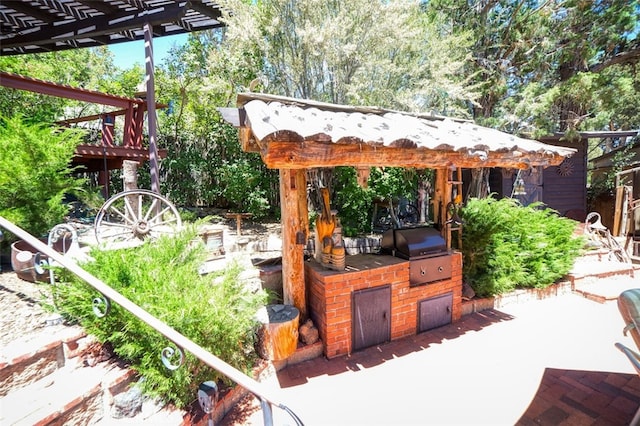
(426, 250)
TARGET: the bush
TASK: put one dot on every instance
(35, 173)
(162, 277)
(354, 203)
(506, 246)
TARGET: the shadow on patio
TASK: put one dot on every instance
(299, 374)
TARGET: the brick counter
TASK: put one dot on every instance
(330, 296)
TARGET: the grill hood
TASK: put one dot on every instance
(412, 243)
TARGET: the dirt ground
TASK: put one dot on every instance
(21, 311)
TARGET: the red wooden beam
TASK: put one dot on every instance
(15, 81)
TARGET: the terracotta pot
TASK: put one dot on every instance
(23, 262)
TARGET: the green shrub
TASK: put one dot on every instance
(507, 246)
(245, 188)
(35, 173)
(162, 277)
(354, 203)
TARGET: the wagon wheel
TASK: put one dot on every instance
(130, 217)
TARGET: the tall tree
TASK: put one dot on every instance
(205, 165)
(594, 35)
(543, 61)
(385, 53)
(508, 45)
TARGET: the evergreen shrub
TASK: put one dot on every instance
(508, 246)
(215, 311)
(35, 173)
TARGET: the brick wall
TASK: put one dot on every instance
(330, 296)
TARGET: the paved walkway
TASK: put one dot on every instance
(546, 362)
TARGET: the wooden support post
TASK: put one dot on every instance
(293, 187)
(103, 180)
(238, 217)
(130, 183)
(441, 198)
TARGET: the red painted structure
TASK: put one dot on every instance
(108, 155)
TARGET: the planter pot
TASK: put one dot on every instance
(23, 259)
(23, 262)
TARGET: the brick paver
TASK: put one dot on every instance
(548, 362)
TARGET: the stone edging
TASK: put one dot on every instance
(516, 296)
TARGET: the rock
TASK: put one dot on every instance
(127, 404)
(467, 292)
(308, 333)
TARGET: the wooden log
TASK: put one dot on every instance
(130, 183)
(440, 198)
(286, 154)
(278, 335)
(292, 187)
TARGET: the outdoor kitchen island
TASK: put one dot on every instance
(373, 300)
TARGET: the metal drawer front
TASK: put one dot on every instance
(429, 269)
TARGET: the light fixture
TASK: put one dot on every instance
(518, 185)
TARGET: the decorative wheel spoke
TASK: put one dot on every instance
(130, 217)
(151, 209)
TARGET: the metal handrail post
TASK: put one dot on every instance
(267, 416)
(181, 341)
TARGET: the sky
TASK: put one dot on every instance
(127, 54)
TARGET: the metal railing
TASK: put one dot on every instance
(267, 401)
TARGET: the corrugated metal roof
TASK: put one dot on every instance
(269, 117)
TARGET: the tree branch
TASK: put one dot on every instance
(629, 57)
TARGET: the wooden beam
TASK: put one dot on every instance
(15, 81)
(281, 154)
(99, 151)
(292, 188)
(100, 25)
(247, 142)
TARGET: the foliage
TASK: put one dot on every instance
(506, 245)
(343, 52)
(205, 165)
(355, 202)
(539, 64)
(216, 312)
(243, 188)
(35, 173)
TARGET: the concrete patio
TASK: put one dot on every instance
(546, 362)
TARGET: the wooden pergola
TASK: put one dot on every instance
(294, 135)
(48, 26)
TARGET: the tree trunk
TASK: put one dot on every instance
(130, 174)
(278, 336)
